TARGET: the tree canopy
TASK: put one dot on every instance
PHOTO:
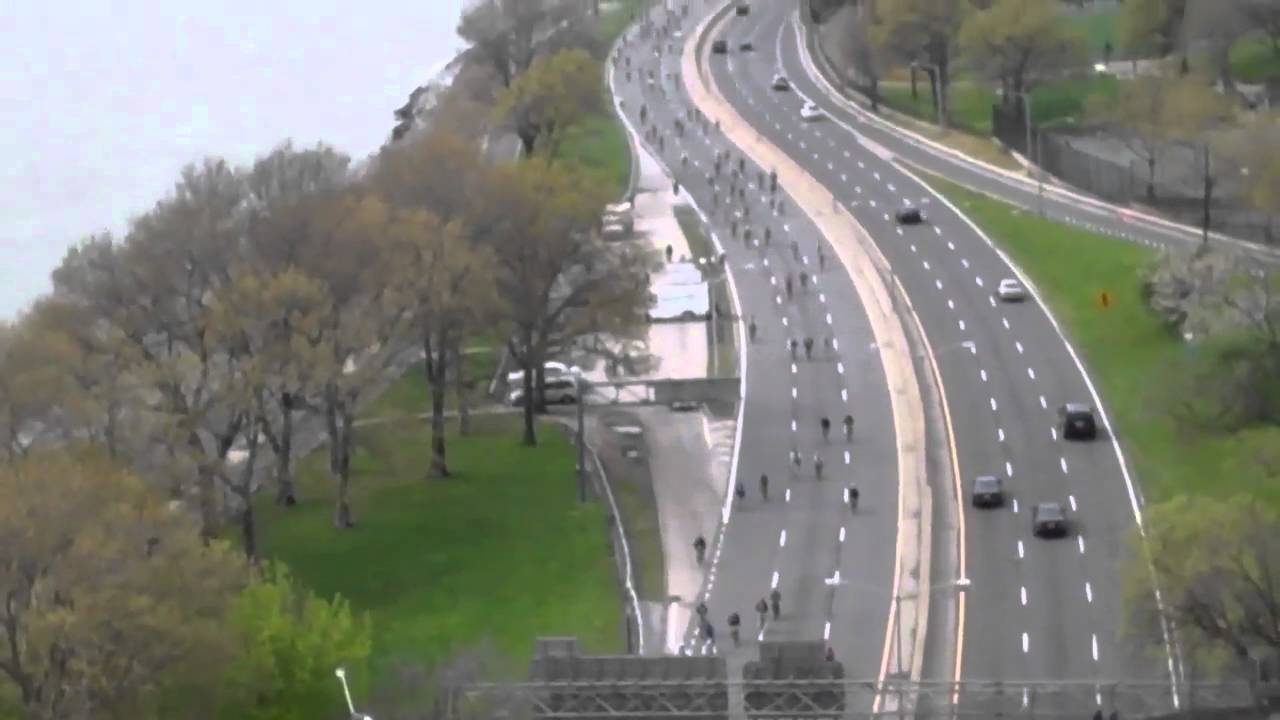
(1018, 42)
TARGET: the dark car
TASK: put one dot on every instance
(743, 9)
(720, 47)
(746, 46)
(909, 216)
(1048, 520)
(988, 491)
(1078, 422)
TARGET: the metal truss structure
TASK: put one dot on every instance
(844, 699)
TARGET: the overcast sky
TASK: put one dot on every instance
(103, 101)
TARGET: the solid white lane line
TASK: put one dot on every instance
(782, 539)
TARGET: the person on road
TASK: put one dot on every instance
(808, 348)
(817, 466)
(795, 459)
(734, 623)
(775, 602)
(853, 495)
(702, 611)
(827, 343)
(795, 250)
(762, 609)
(848, 428)
(700, 549)
(751, 329)
(826, 428)
(788, 286)
(792, 344)
(709, 632)
(831, 654)
(764, 487)
(822, 260)
(804, 280)
(740, 492)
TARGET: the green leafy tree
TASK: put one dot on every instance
(556, 93)
(1151, 27)
(924, 31)
(289, 643)
(1017, 42)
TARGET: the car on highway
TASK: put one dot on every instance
(988, 491)
(810, 112)
(1048, 519)
(1078, 422)
(560, 391)
(1010, 290)
(720, 47)
(742, 9)
(780, 82)
(550, 370)
(746, 46)
(909, 215)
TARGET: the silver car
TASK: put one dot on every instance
(560, 391)
(1010, 290)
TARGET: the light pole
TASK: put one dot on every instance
(346, 692)
(580, 387)
(959, 585)
(1038, 160)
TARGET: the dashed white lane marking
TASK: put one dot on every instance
(1072, 499)
(1095, 647)
(782, 539)
(847, 459)
(835, 344)
(1008, 469)
(1080, 542)
(993, 405)
(1044, 403)
(1023, 593)
(951, 304)
(826, 632)
(1018, 345)
(1021, 552)
(983, 375)
(841, 533)
(1026, 643)
(785, 322)
(1063, 462)
(773, 279)
(961, 325)
(926, 264)
(979, 280)
(913, 248)
(844, 395)
(1000, 434)
(1015, 506)
(1053, 433)
(965, 263)
(951, 246)
(786, 497)
(793, 425)
(876, 175)
(840, 368)
(1088, 591)
(829, 318)
(794, 369)
(793, 393)
(774, 582)
(1004, 321)
(892, 188)
(1031, 373)
(938, 284)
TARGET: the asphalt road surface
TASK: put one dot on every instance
(805, 533)
(1037, 609)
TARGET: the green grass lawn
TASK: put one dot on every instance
(1098, 27)
(411, 394)
(1125, 347)
(1254, 60)
(502, 551)
(1052, 103)
(599, 143)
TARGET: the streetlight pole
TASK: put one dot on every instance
(1037, 161)
(346, 692)
(579, 388)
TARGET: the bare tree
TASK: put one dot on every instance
(924, 31)
(507, 33)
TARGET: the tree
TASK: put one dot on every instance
(287, 188)
(1264, 15)
(447, 284)
(556, 280)
(111, 595)
(1216, 562)
(288, 642)
(1151, 27)
(1019, 41)
(556, 93)
(1158, 110)
(26, 387)
(1214, 27)
(923, 31)
(506, 33)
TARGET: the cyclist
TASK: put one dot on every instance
(831, 654)
(709, 632)
(775, 602)
(734, 623)
(700, 548)
(826, 428)
(702, 611)
(762, 609)
(740, 492)
(848, 428)
(804, 280)
(808, 348)
(795, 250)
(822, 259)
(795, 458)
(853, 498)
(788, 285)
(751, 329)
(817, 466)
(764, 487)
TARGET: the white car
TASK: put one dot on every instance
(560, 391)
(550, 371)
(810, 112)
(1010, 290)
(780, 82)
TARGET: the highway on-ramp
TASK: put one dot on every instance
(1036, 609)
(805, 535)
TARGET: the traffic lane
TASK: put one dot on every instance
(1118, 222)
(1020, 408)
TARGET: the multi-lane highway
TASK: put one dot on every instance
(1037, 610)
(805, 535)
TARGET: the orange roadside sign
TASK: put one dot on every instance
(1104, 299)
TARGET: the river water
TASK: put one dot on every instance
(103, 101)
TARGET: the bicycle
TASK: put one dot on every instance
(764, 487)
(826, 429)
(848, 428)
(817, 466)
